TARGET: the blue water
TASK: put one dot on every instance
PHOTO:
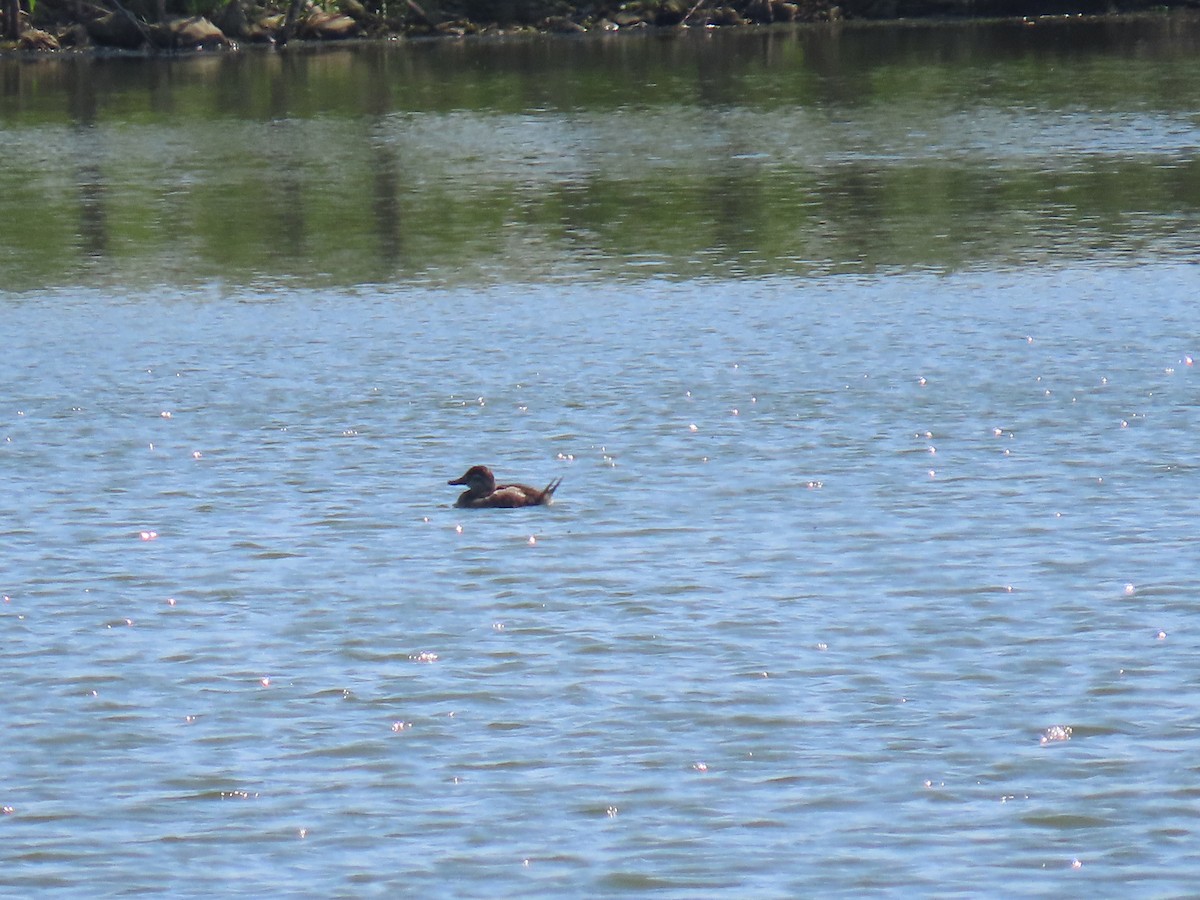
(854, 585)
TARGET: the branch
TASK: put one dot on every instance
(695, 6)
(137, 23)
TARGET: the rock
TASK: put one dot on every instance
(116, 30)
(36, 39)
(256, 34)
(74, 36)
(726, 15)
(563, 25)
(671, 12)
(325, 26)
(457, 28)
(761, 12)
(192, 32)
(233, 20)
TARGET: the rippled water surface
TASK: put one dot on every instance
(870, 573)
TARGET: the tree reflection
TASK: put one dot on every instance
(87, 144)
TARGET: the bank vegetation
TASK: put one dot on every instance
(174, 25)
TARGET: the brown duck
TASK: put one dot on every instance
(482, 491)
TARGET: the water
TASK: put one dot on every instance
(869, 573)
(765, 153)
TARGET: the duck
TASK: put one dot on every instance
(483, 493)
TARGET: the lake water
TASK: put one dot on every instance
(865, 357)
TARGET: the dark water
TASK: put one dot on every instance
(865, 357)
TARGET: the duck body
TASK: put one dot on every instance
(483, 493)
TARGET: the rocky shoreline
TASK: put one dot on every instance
(154, 25)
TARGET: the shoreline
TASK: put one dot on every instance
(234, 24)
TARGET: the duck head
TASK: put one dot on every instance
(478, 479)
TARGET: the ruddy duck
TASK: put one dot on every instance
(482, 491)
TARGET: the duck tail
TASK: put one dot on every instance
(549, 490)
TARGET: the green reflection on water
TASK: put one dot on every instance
(758, 152)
